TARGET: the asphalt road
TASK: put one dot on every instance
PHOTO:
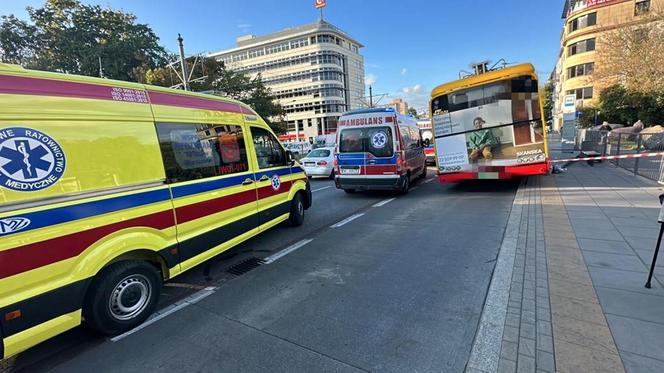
(399, 288)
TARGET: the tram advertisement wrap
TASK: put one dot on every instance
(504, 132)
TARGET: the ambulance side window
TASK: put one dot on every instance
(416, 138)
(269, 151)
(198, 151)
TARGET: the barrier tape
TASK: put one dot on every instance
(609, 157)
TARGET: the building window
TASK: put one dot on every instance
(580, 70)
(641, 7)
(582, 46)
(583, 22)
(582, 93)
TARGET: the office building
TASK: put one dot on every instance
(316, 72)
(586, 22)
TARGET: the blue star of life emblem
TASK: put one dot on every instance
(379, 139)
(30, 160)
(276, 182)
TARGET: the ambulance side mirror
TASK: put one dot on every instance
(289, 158)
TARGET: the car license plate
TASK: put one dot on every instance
(350, 171)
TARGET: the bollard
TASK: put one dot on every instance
(618, 150)
(638, 150)
(660, 220)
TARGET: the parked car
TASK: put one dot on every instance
(319, 162)
(298, 149)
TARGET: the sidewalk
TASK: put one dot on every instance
(575, 296)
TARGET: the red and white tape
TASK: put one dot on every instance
(609, 157)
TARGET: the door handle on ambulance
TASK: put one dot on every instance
(264, 178)
(247, 181)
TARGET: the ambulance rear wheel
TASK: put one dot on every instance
(405, 185)
(122, 296)
(296, 216)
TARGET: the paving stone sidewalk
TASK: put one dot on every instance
(576, 300)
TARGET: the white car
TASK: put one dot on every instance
(319, 162)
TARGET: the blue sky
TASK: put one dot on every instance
(410, 46)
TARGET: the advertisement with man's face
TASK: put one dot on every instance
(498, 124)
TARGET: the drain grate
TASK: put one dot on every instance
(245, 266)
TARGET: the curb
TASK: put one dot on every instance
(485, 353)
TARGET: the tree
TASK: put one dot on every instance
(17, 39)
(632, 56)
(619, 104)
(548, 100)
(589, 116)
(212, 76)
(412, 111)
(70, 37)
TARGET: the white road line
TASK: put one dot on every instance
(385, 202)
(429, 180)
(188, 301)
(415, 188)
(346, 221)
(319, 189)
(272, 258)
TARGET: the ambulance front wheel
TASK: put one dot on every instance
(296, 216)
(122, 296)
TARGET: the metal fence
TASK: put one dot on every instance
(607, 143)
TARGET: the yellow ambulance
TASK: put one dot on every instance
(109, 188)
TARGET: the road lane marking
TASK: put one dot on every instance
(414, 188)
(385, 202)
(272, 258)
(427, 181)
(319, 189)
(188, 301)
(346, 221)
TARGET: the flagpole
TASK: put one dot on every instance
(321, 13)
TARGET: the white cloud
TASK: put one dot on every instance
(404, 71)
(244, 26)
(412, 90)
(370, 79)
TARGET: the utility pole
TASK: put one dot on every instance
(370, 97)
(101, 71)
(185, 76)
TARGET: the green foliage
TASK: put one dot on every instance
(16, 40)
(587, 117)
(412, 111)
(548, 100)
(212, 76)
(71, 37)
(625, 106)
